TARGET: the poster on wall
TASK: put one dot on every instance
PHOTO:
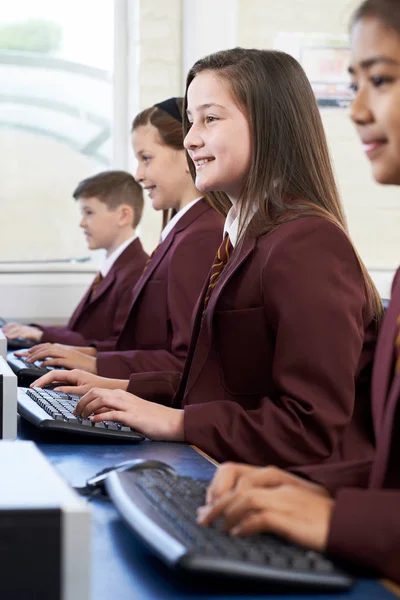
(325, 59)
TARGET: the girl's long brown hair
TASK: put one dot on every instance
(171, 134)
(290, 174)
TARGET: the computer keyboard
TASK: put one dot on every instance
(48, 409)
(26, 372)
(160, 508)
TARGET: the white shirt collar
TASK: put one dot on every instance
(231, 226)
(171, 224)
(110, 260)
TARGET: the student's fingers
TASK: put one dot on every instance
(95, 398)
(62, 376)
(21, 353)
(210, 512)
(234, 506)
(311, 534)
(112, 415)
(240, 477)
(301, 515)
(269, 477)
(57, 362)
(12, 330)
(225, 479)
(76, 390)
(38, 353)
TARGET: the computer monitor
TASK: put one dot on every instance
(3, 344)
(8, 402)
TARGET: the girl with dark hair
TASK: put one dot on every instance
(284, 330)
(354, 514)
(155, 334)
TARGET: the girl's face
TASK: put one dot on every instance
(218, 141)
(375, 111)
(162, 170)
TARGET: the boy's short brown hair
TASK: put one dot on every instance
(113, 188)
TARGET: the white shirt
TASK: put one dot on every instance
(171, 224)
(231, 226)
(111, 258)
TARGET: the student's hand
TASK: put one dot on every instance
(78, 382)
(58, 355)
(16, 330)
(153, 420)
(235, 476)
(299, 515)
(89, 350)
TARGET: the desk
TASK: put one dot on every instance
(123, 568)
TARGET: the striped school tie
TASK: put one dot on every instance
(221, 260)
(149, 259)
(397, 347)
(96, 282)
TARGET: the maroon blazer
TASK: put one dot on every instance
(273, 367)
(366, 522)
(104, 316)
(156, 334)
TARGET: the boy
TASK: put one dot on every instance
(111, 204)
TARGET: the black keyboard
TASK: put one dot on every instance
(160, 508)
(26, 372)
(53, 410)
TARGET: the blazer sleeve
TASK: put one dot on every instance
(365, 529)
(335, 476)
(62, 335)
(189, 267)
(314, 299)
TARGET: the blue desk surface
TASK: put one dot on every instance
(122, 566)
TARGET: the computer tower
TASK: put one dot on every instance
(44, 530)
(3, 344)
(8, 403)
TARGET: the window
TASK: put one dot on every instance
(56, 107)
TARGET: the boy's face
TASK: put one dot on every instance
(99, 223)
(375, 111)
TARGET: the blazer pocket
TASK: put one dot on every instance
(245, 350)
(152, 322)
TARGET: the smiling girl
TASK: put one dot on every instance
(362, 525)
(285, 327)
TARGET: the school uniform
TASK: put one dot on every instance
(156, 333)
(276, 359)
(365, 526)
(104, 308)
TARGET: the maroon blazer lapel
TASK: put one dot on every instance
(130, 253)
(384, 440)
(385, 390)
(203, 342)
(86, 301)
(382, 370)
(79, 309)
(191, 215)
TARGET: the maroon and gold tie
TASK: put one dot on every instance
(221, 260)
(96, 282)
(149, 260)
(397, 347)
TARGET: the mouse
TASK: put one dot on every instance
(97, 481)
